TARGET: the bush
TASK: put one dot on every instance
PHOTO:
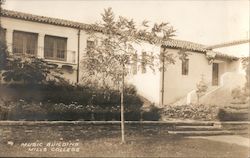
(192, 111)
(52, 101)
(82, 95)
(239, 95)
(30, 70)
(23, 110)
(233, 115)
(153, 114)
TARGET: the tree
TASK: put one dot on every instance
(246, 66)
(239, 94)
(114, 47)
(201, 88)
(3, 46)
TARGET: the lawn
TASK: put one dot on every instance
(105, 142)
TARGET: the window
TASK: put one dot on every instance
(25, 43)
(90, 45)
(143, 62)
(185, 65)
(55, 48)
(2, 35)
(134, 64)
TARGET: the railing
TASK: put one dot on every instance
(57, 55)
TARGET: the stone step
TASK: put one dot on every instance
(201, 133)
(194, 123)
(197, 128)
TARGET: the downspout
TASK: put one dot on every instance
(162, 79)
(78, 56)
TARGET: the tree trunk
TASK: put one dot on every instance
(122, 108)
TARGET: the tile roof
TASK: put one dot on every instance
(45, 19)
(172, 43)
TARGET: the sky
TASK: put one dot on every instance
(207, 22)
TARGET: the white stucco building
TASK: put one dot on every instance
(64, 43)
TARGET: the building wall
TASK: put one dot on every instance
(176, 85)
(148, 83)
(234, 75)
(45, 29)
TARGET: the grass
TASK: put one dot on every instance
(106, 143)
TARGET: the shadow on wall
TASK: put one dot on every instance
(222, 96)
(233, 79)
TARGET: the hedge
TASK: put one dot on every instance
(57, 102)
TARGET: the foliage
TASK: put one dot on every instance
(246, 66)
(153, 114)
(23, 110)
(3, 46)
(201, 88)
(30, 70)
(110, 58)
(241, 95)
(55, 93)
(3, 51)
(233, 115)
(191, 111)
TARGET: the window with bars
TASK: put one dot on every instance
(185, 66)
(55, 48)
(25, 43)
(134, 63)
(143, 62)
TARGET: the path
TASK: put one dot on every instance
(231, 139)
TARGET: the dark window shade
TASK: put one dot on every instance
(2, 35)
(55, 48)
(25, 43)
(185, 66)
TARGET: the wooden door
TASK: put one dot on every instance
(215, 75)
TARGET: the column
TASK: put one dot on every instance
(40, 51)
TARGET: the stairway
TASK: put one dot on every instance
(200, 129)
(193, 96)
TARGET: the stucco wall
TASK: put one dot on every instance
(45, 29)
(177, 85)
(147, 84)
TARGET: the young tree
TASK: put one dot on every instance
(115, 47)
(201, 88)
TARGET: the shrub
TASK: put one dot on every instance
(130, 89)
(30, 70)
(230, 115)
(53, 101)
(192, 111)
(54, 93)
(23, 110)
(153, 114)
(239, 95)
